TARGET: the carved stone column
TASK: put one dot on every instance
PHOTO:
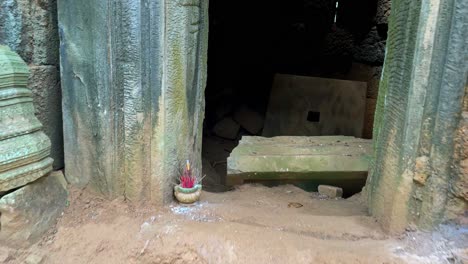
(24, 148)
(30, 198)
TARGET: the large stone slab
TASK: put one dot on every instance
(310, 106)
(27, 213)
(322, 159)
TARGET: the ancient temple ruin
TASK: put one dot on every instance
(134, 127)
(360, 96)
(31, 199)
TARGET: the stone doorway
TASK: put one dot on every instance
(132, 112)
(283, 68)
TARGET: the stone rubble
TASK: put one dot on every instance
(249, 120)
(330, 191)
(227, 128)
(28, 213)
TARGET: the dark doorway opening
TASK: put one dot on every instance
(250, 43)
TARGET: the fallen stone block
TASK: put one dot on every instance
(227, 128)
(325, 159)
(28, 212)
(249, 120)
(330, 191)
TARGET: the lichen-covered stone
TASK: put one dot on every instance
(27, 213)
(133, 93)
(413, 176)
(24, 149)
(326, 158)
(30, 28)
(44, 82)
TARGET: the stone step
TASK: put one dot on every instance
(324, 159)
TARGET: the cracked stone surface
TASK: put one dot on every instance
(28, 212)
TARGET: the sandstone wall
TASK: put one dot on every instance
(30, 28)
(133, 75)
(457, 206)
(413, 180)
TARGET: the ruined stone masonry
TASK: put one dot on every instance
(414, 178)
(30, 29)
(24, 148)
(132, 112)
(30, 201)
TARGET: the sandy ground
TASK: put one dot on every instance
(252, 224)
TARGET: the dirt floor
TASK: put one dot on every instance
(252, 224)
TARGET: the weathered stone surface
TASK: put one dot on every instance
(35, 259)
(44, 81)
(24, 149)
(4, 254)
(133, 93)
(300, 158)
(338, 42)
(20, 176)
(364, 73)
(371, 49)
(419, 104)
(249, 119)
(330, 191)
(227, 128)
(383, 11)
(30, 29)
(309, 106)
(27, 213)
(421, 170)
(369, 118)
(458, 199)
(360, 72)
(373, 83)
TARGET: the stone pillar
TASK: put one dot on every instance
(418, 113)
(30, 29)
(133, 78)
